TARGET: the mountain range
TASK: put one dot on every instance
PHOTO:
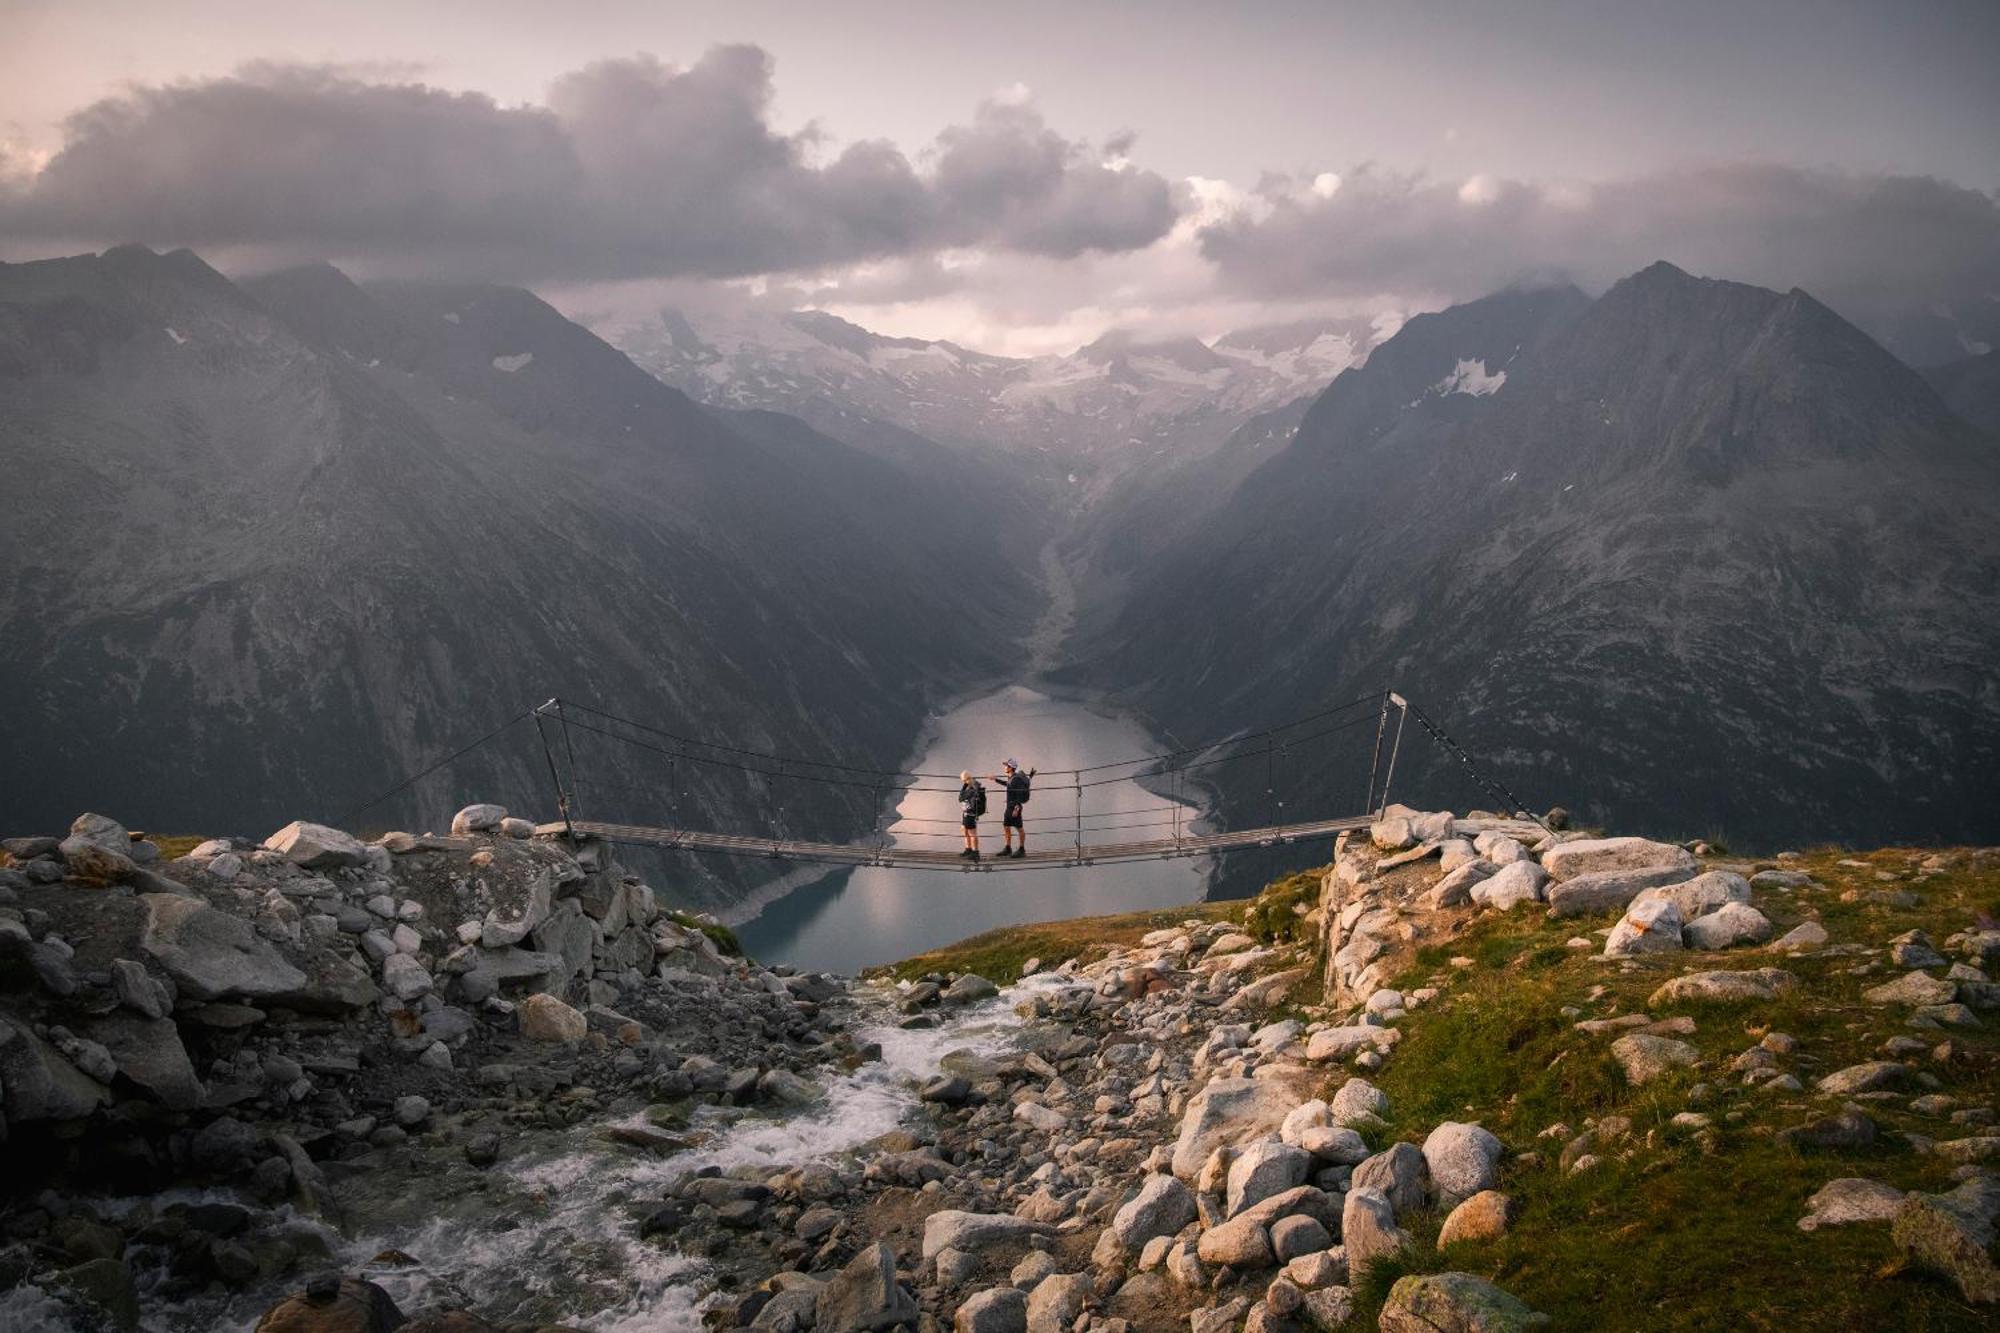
(278, 543)
(1691, 558)
(1081, 422)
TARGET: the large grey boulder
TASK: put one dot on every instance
(1645, 1057)
(1266, 1167)
(1455, 889)
(100, 831)
(1913, 988)
(1510, 886)
(1162, 1207)
(140, 990)
(1056, 1301)
(1728, 926)
(1359, 1104)
(1588, 856)
(1400, 1173)
(1453, 1303)
(210, 954)
(1953, 1234)
(1606, 890)
(317, 847)
(520, 899)
(970, 989)
(150, 1054)
(865, 1295)
(1229, 1110)
(1653, 927)
(1764, 983)
(479, 817)
(1703, 894)
(1463, 1160)
(1852, 1199)
(37, 1083)
(1368, 1230)
(996, 1310)
(954, 1229)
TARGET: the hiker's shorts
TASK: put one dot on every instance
(1012, 818)
(972, 821)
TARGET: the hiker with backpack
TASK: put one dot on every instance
(971, 805)
(1017, 785)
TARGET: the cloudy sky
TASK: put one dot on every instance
(1021, 177)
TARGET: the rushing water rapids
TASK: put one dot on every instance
(551, 1233)
(852, 919)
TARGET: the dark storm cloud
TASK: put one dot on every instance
(633, 168)
(1863, 242)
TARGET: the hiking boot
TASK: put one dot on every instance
(974, 855)
(1020, 852)
(967, 854)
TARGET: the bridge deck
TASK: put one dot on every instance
(1048, 851)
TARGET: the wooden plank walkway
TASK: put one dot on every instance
(1047, 852)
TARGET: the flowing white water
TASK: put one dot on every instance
(551, 1233)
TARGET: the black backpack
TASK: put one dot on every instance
(1017, 788)
(978, 799)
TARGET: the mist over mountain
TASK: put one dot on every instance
(294, 538)
(1123, 403)
(1694, 557)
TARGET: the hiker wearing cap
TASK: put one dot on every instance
(971, 805)
(1017, 786)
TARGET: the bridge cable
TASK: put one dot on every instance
(1496, 789)
(421, 774)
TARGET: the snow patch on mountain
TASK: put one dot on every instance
(1471, 377)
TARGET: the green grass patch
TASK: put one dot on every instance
(998, 955)
(723, 937)
(173, 845)
(1277, 915)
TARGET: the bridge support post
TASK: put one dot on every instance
(555, 774)
(1402, 716)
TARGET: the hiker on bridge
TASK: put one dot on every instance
(971, 805)
(1016, 785)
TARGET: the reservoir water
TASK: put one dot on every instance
(854, 918)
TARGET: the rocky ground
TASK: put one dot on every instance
(1478, 1074)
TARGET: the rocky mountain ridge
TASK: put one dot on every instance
(301, 539)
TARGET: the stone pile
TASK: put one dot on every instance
(272, 1017)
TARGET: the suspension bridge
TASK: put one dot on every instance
(1094, 822)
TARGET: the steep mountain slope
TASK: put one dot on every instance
(1692, 558)
(291, 540)
(1121, 404)
(1972, 388)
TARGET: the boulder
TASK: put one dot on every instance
(1644, 1057)
(333, 1304)
(37, 1083)
(511, 827)
(317, 847)
(1162, 1207)
(1510, 886)
(1914, 988)
(1484, 1216)
(404, 977)
(1359, 1104)
(969, 989)
(1764, 983)
(99, 831)
(211, 954)
(1266, 1167)
(1606, 890)
(1727, 927)
(1392, 834)
(1056, 1301)
(545, 1018)
(1869, 1076)
(1368, 1229)
(1295, 1237)
(1454, 1303)
(1462, 1159)
(1342, 1042)
(996, 1310)
(520, 900)
(1455, 889)
(1230, 1110)
(1703, 894)
(1806, 935)
(138, 990)
(953, 1229)
(1585, 856)
(478, 818)
(1399, 1173)
(1849, 1200)
(864, 1295)
(1653, 927)
(150, 1054)
(91, 863)
(1952, 1234)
